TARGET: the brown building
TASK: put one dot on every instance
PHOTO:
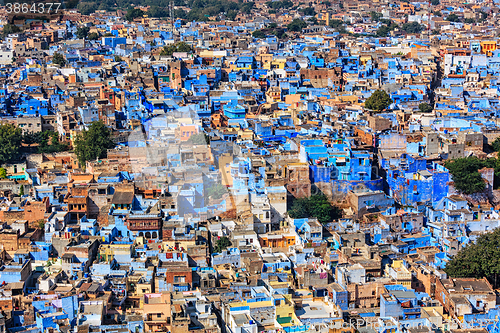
(297, 180)
(463, 296)
(78, 207)
(322, 77)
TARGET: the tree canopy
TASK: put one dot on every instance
(199, 139)
(177, 47)
(378, 101)
(216, 191)
(258, 34)
(478, 260)
(284, 4)
(316, 206)
(10, 29)
(58, 59)
(465, 174)
(425, 107)
(133, 13)
(93, 36)
(375, 16)
(453, 18)
(47, 141)
(308, 11)
(385, 29)
(155, 11)
(10, 142)
(496, 144)
(201, 10)
(296, 25)
(222, 244)
(93, 143)
(338, 25)
(82, 32)
(412, 27)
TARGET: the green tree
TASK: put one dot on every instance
(216, 191)
(10, 141)
(412, 28)
(93, 36)
(222, 244)
(58, 59)
(375, 16)
(30, 138)
(466, 176)
(231, 15)
(259, 34)
(82, 32)
(41, 224)
(378, 101)
(168, 50)
(180, 13)
(48, 142)
(469, 21)
(3, 173)
(478, 260)
(316, 206)
(184, 47)
(308, 11)
(425, 107)
(118, 58)
(296, 25)
(155, 11)
(338, 25)
(496, 144)
(437, 13)
(10, 29)
(312, 20)
(434, 2)
(453, 18)
(284, 4)
(279, 33)
(178, 47)
(199, 139)
(93, 143)
(384, 30)
(21, 190)
(133, 13)
(86, 7)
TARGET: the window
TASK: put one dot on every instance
(179, 279)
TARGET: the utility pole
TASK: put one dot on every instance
(429, 21)
(171, 13)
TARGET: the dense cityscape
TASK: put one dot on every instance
(217, 166)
